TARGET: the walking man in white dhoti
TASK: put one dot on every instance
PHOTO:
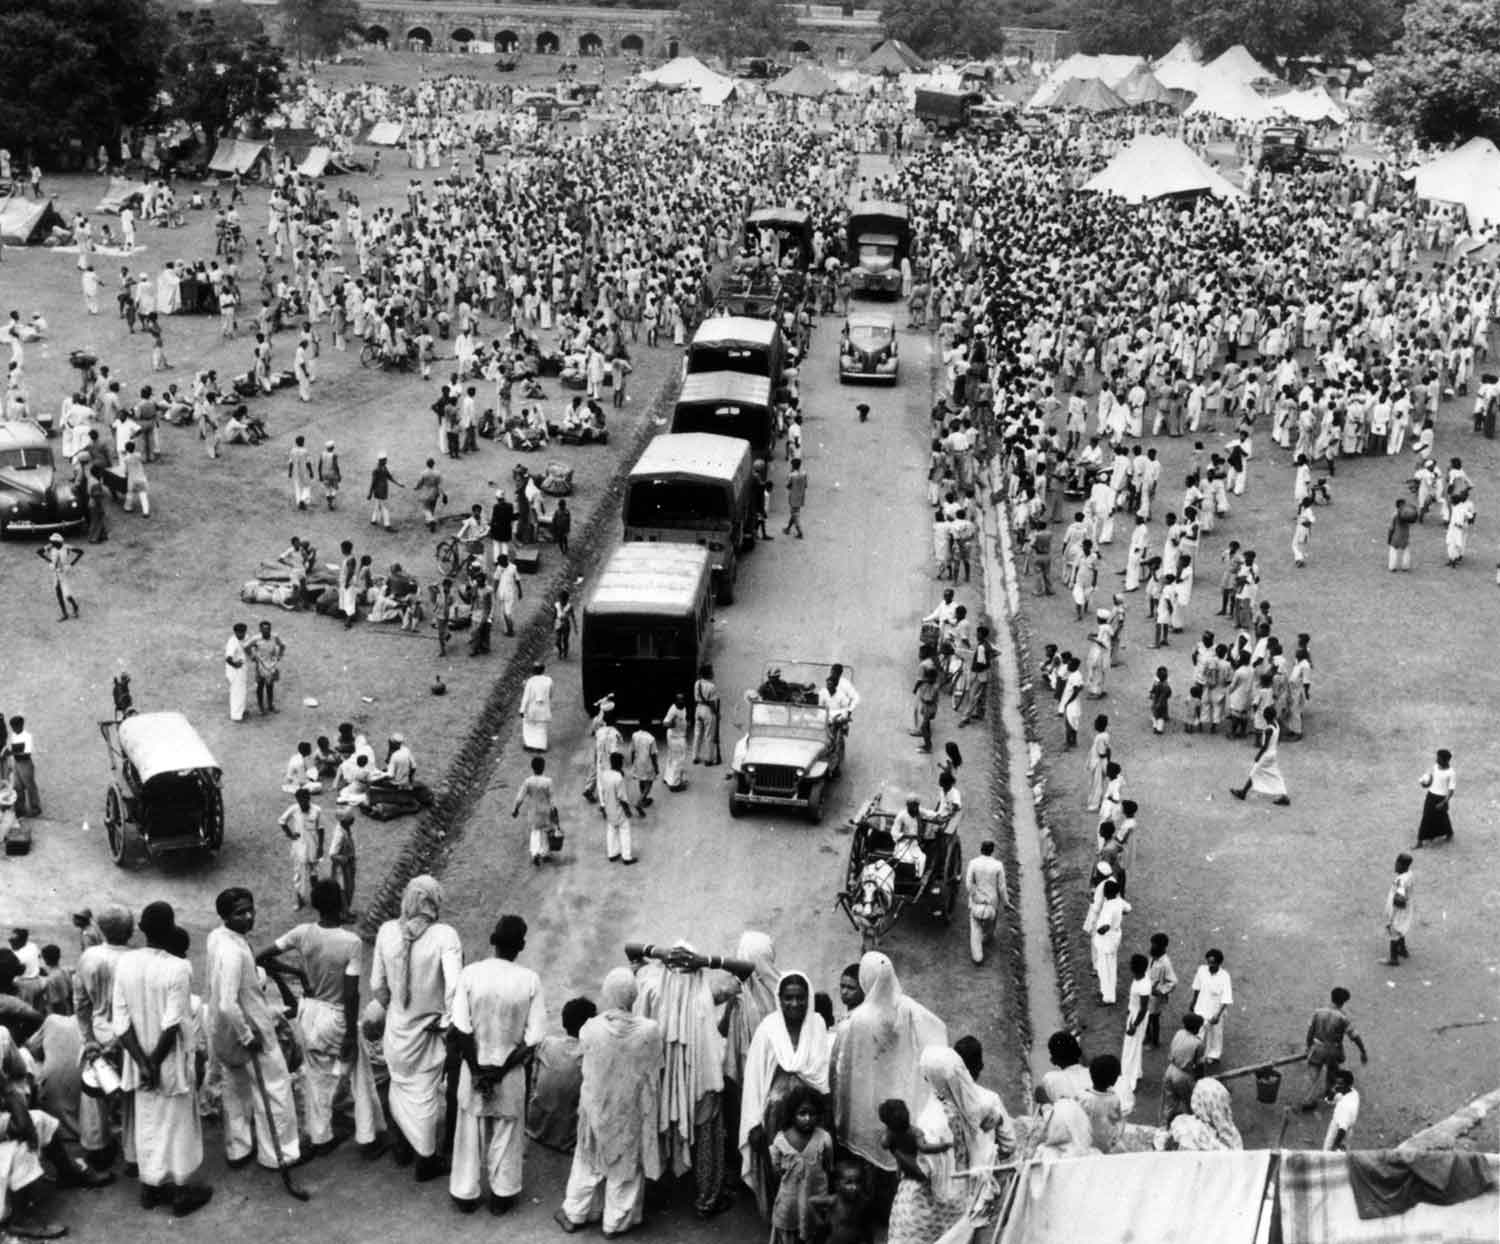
(618, 1149)
(236, 671)
(241, 1027)
(330, 958)
(414, 975)
(152, 1013)
(536, 709)
(499, 1018)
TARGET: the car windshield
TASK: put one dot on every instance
(37, 458)
(870, 334)
(877, 255)
(788, 716)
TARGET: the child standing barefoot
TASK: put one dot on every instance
(845, 1217)
(801, 1156)
(1160, 695)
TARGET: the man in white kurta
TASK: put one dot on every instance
(241, 1027)
(499, 1016)
(152, 1013)
(1213, 995)
(331, 957)
(93, 1008)
(536, 709)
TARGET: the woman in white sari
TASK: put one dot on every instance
(876, 1056)
(414, 975)
(791, 1048)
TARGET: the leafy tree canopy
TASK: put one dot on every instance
(318, 27)
(1337, 29)
(1443, 76)
(221, 69)
(76, 70)
(735, 28)
(957, 29)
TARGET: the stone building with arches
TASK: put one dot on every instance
(823, 32)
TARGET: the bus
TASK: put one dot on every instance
(728, 403)
(694, 488)
(646, 628)
(738, 343)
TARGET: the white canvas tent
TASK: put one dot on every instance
(1469, 175)
(1154, 166)
(1238, 65)
(1182, 75)
(1182, 52)
(1229, 99)
(236, 155)
(1311, 105)
(27, 222)
(1108, 69)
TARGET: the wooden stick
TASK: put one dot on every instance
(1236, 1072)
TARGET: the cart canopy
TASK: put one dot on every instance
(157, 743)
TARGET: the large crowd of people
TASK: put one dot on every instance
(1074, 332)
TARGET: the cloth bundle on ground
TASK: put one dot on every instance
(557, 481)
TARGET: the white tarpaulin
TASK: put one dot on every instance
(1127, 1198)
(1154, 166)
(235, 155)
(384, 134)
(315, 163)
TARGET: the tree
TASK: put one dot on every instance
(318, 27)
(222, 69)
(734, 28)
(1128, 27)
(76, 71)
(962, 29)
(1443, 76)
(1336, 29)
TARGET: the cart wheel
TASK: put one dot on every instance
(726, 584)
(114, 826)
(368, 354)
(815, 801)
(952, 877)
(213, 821)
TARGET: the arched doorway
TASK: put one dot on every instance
(590, 45)
(462, 36)
(419, 37)
(800, 47)
(378, 34)
(507, 41)
(673, 49)
(547, 43)
(633, 45)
